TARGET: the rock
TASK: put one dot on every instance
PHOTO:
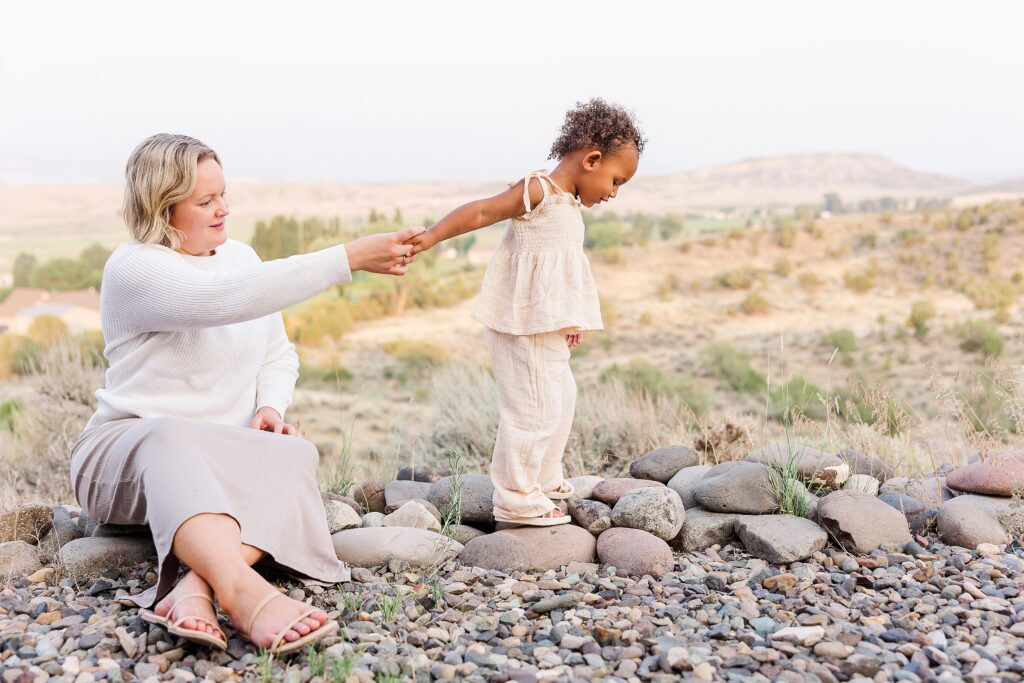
(658, 511)
(861, 523)
(894, 485)
(634, 552)
(347, 500)
(702, 529)
(997, 475)
(741, 487)
(780, 539)
(862, 482)
(416, 474)
(663, 463)
(592, 515)
(414, 515)
(610, 490)
(340, 515)
(28, 523)
(965, 524)
(376, 546)
(804, 635)
(861, 463)
(64, 529)
(530, 548)
(398, 493)
(920, 517)
(95, 556)
(682, 483)
(477, 498)
(932, 491)
(584, 486)
(370, 494)
(372, 519)
(44, 575)
(18, 558)
(812, 465)
(464, 534)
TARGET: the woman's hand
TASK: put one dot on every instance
(384, 253)
(269, 420)
(574, 340)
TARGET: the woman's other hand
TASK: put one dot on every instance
(269, 420)
(384, 253)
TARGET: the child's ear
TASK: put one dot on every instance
(591, 160)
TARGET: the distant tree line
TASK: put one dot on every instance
(62, 274)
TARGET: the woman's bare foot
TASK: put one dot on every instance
(192, 607)
(248, 592)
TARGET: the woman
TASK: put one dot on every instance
(189, 435)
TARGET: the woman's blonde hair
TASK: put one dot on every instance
(160, 173)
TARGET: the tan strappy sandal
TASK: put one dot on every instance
(192, 635)
(276, 647)
(565, 491)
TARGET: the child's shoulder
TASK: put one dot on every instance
(537, 187)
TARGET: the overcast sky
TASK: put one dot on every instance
(476, 90)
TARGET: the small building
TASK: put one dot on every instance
(80, 309)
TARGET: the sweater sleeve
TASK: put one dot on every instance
(276, 381)
(152, 289)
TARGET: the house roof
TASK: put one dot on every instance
(22, 298)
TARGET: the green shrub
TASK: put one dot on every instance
(810, 281)
(785, 235)
(734, 367)
(741, 278)
(979, 336)
(991, 294)
(783, 266)
(921, 313)
(641, 377)
(8, 410)
(605, 234)
(47, 330)
(414, 358)
(755, 303)
(860, 281)
(844, 342)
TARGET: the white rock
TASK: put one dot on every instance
(340, 516)
(862, 482)
(413, 515)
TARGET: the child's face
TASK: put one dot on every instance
(604, 174)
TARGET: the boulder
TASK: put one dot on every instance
(920, 517)
(864, 483)
(961, 522)
(610, 490)
(584, 485)
(421, 474)
(28, 523)
(658, 511)
(997, 475)
(861, 463)
(64, 529)
(740, 487)
(95, 555)
(530, 548)
(592, 515)
(415, 515)
(463, 534)
(477, 498)
(860, 523)
(340, 515)
(17, 559)
(372, 519)
(377, 546)
(780, 539)
(812, 465)
(702, 529)
(682, 483)
(370, 494)
(661, 464)
(930, 490)
(398, 493)
(634, 552)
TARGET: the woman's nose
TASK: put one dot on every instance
(223, 209)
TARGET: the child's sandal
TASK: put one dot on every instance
(563, 492)
(547, 519)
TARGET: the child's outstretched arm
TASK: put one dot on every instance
(478, 214)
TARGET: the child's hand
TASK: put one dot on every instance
(422, 242)
(574, 340)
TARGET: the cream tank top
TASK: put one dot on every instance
(539, 280)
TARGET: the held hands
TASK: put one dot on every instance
(422, 242)
(269, 420)
(574, 340)
(388, 253)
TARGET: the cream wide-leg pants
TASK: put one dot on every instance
(536, 402)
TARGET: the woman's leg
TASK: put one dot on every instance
(211, 544)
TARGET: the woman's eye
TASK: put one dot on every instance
(206, 203)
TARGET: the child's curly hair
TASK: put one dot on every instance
(604, 126)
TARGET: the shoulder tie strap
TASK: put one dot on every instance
(543, 179)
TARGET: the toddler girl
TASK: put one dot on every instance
(537, 299)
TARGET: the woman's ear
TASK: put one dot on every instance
(591, 160)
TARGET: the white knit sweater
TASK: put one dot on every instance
(202, 337)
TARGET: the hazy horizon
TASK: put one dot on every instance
(462, 91)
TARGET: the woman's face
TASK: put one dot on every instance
(201, 216)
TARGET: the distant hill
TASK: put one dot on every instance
(36, 217)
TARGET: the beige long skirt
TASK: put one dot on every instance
(536, 403)
(163, 471)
